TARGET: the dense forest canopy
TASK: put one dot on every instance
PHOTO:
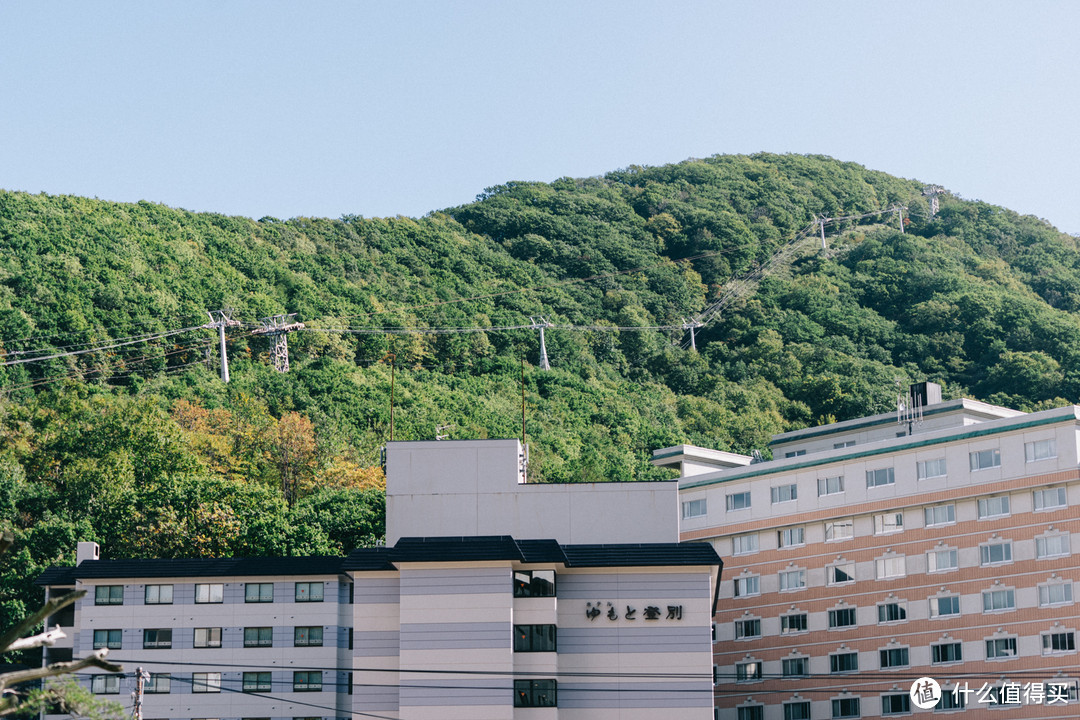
(142, 447)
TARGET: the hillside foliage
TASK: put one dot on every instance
(144, 449)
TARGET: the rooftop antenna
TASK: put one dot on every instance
(224, 320)
(909, 410)
(932, 192)
(522, 399)
(540, 325)
(393, 359)
(277, 328)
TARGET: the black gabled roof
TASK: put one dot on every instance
(644, 554)
(200, 567)
(411, 549)
(369, 559)
(56, 576)
(456, 549)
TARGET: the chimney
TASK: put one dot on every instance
(86, 551)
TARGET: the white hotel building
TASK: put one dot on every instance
(870, 553)
(494, 599)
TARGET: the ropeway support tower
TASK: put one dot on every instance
(277, 328)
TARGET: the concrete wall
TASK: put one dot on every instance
(472, 487)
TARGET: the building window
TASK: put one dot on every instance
(308, 636)
(258, 592)
(784, 493)
(209, 592)
(951, 699)
(946, 653)
(830, 485)
(790, 624)
(1050, 498)
(940, 515)
(744, 544)
(840, 573)
(1058, 642)
(998, 600)
(792, 579)
(794, 453)
(995, 553)
(105, 684)
(983, 459)
(750, 712)
(844, 444)
(1051, 546)
(1040, 450)
(1058, 593)
(942, 560)
(797, 710)
(309, 592)
(258, 637)
(534, 583)
(893, 657)
(993, 507)
(877, 478)
(839, 530)
(307, 681)
(845, 708)
(842, 618)
(157, 639)
(112, 639)
(693, 508)
(844, 662)
(748, 671)
(206, 682)
(109, 595)
(534, 638)
(790, 537)
(747, 629)
(158, 594)
(257, 682)
(891, 612)
(945, 606)
(207, 637)
(886, 523)
(159, 683)
(893, 566)
(738, 501)
(795, 667)
(1001, 648)
(930, 468)
(895, 704)
(747, 585)
(535, 693)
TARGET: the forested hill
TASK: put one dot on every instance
(978, 298)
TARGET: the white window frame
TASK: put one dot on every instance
(987, 550)
(731, 502)
(1036, 450)
(840, 524)
(875, 478)
(886, 565)
(741, 626)
(745, 580)
(784, 493)
(830, 485)
(904, 650)
(747, 671)
(901, 606)
(846, 567)
(928, 469)
(1061, 545)
(1059, 632)
(888, 523)
(935, 606)
(998, 655)
(803, 660)
(746, 544)
(1007, 598)
(805, 623)
(791, 537)
(932, 564)
(949, 644)
(848, 611)
(984, 459)
(1058, 495)
(786, 575)
(995, 506)
(931, 515)
(1065, 587)
(694, 508)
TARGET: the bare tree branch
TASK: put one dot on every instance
(94, 659)
(31, 621)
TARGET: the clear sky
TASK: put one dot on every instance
(397, 107)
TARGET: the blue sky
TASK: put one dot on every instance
(334, 108)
